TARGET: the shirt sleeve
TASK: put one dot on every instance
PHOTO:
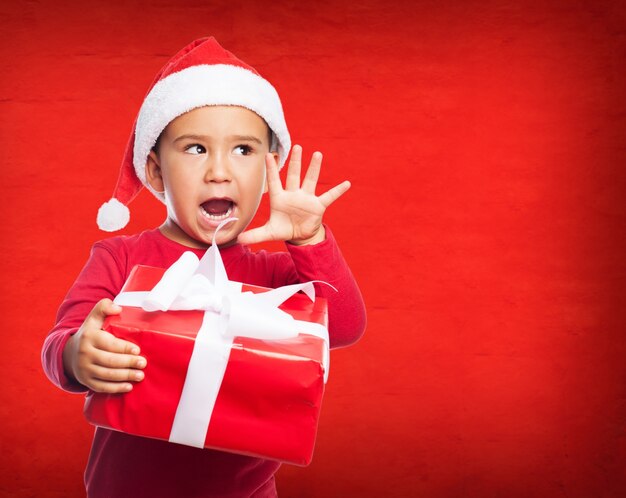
(346, 309)
(102, 277)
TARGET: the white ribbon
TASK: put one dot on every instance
(193, 284)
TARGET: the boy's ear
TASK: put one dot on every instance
(153, 172)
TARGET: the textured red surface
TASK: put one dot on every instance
(486, 226)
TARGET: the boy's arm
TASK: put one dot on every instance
(102, 277)
(346, 309)
(296, 213)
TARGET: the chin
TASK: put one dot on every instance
(225, 237)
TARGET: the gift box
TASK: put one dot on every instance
(241, 370)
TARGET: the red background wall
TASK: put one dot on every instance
(486, 226)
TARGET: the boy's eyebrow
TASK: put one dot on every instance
(242, 138)
(248, 138)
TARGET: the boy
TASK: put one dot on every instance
(208, 141)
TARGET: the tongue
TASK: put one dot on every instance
(217, 206)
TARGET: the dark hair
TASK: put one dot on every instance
(155, 147)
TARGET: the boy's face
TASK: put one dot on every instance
(211, 164)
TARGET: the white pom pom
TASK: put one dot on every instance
(112, 216)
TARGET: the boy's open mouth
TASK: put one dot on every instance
(217, 209)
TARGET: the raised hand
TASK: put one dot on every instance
(295, 211)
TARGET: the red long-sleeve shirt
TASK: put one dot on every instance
(123, 465)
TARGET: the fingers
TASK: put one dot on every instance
(101, 310)
(334, 193)
(117, 360)
(108, 342)
(256, 235)
(293, 171)
(313, 173)
(116, 374)
(292, 182)
(101, 386)
(311, 177)
(274, 184)
(112, 372)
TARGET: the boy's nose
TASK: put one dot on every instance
(218, 169)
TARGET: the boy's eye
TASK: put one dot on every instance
(243, 150)
(195, 149)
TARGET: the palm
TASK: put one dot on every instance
(294, 216)
(295, 211)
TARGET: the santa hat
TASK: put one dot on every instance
(201, 74)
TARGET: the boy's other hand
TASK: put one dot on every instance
(295, 211)
(99, 360)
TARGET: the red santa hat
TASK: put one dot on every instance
(201, 74)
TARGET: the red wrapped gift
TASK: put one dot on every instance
(263, 395)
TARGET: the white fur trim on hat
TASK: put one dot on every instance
(201, 85)
(112, 216)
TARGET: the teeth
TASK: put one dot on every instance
(217, 217)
